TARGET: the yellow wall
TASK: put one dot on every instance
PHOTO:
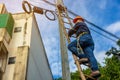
(2, 9)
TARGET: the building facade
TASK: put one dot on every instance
(22, 53)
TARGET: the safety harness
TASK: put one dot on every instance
(79, 49)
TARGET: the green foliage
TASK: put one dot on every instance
(111, 70)
(75, 76)
(118, 43)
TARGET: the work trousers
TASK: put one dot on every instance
(87, 44)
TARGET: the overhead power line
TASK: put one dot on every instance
(95, 25)
(48, 2)
(102, 29)
(98, 27)
(103, 35)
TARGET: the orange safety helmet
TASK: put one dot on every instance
(77, 18)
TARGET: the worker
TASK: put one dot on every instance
(85, 40)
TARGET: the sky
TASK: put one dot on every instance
(104, 13)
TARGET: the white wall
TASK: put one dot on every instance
(38, 66)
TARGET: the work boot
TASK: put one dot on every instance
(86, 64)
(95, 74)
(84, 61)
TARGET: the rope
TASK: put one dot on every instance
(79, 49)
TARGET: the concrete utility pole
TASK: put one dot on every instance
(64, 55)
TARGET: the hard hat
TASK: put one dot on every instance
(77, 18)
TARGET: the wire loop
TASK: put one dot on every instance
(51, 12)
(24, 7)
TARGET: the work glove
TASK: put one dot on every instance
(71, 32)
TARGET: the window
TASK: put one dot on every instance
(11, 60)
(17, 29)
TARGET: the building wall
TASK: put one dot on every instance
(38, 66)
(27, 35)
(20, 38)
(2, 9)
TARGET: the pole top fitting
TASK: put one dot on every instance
(61, 8)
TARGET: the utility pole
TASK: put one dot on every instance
(64, 55)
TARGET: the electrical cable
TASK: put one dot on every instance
(102, 29)
(49, 2)
(103, 35)
(34, 5)
(52, 12)
(38, 10)
(35, 1)
(87, 21)
(96, 26)
(44, 1)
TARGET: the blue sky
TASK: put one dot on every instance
(105, 13)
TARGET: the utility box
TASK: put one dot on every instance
(3, 9)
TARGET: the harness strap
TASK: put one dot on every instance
(79, 49)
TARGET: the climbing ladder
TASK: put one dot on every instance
(62, 12)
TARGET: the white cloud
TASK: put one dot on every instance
(100, 56)
(56, 69)
(114, 28)
(13, 6)
(42, 4)
(80, 7)
(72, 65)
